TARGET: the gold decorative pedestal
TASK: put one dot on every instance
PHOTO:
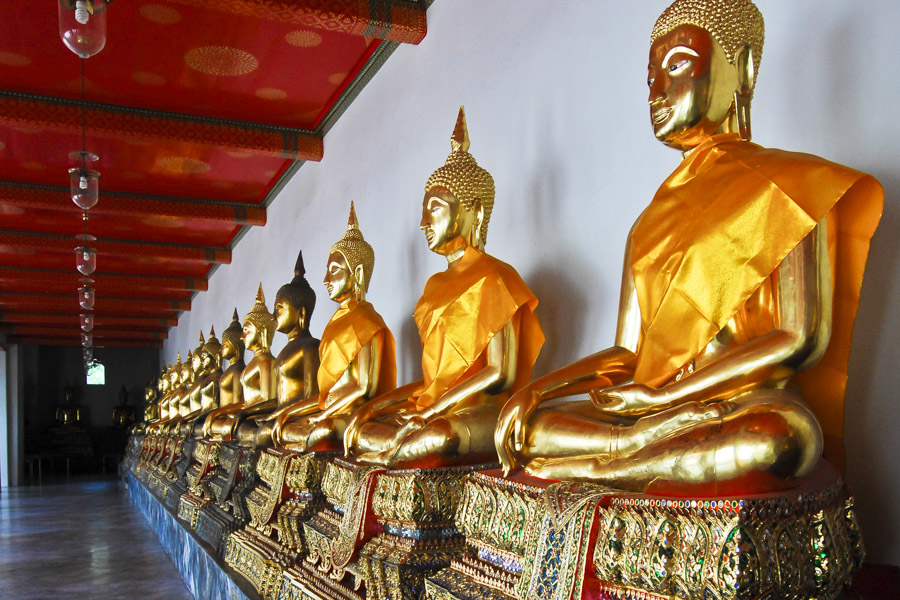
(533, 539)
(288, 492)
(204, 462)
(228, 486)
(383, 534)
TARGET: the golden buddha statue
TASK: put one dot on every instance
(257, 378)
(740, 286)
(198, 373)
(68, 414)
(203, 391)
(123, 414)
(480, 337)
(151, 394)
(211, 363)
(230, 390)
(296, 364)
(356, 354)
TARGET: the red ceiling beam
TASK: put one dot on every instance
(124, 124)
(66, 244)
(392, 20)
(51, 341)
(97, 333)
(45, 319)
(12, 276)
(52, 285)
(63, 303)
(53, 198)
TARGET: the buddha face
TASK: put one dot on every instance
(692, 87)
(229, 352)
(338, 277)
(251, 336)
(196, 362)
(286, 315)
(447, 223)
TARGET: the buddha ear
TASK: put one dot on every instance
(742, 95)
(359, 274)
(477, 210)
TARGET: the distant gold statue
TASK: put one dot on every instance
(68, 414)
(217, 424)
(298, 361)
(205, 389)
(356, 354)
(151, 404)
(736, 276)
(123, 413)
(480, 337)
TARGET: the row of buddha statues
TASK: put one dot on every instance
(727, 374)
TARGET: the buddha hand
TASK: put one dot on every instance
(630, 400)
(509, 436)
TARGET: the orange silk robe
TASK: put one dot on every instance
(460, 311)
(351, 327)
(719, 226)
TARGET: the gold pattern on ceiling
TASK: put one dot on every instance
(182, 164)
(221, 60)
(159, 14)
(303, 39)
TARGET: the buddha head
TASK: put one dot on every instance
(196, 356)
(704, 57)
(187, 369)
(175, 374)
(232, 340)
(295, 301)
(259, 325)
(212, 351)
(350, 264)
(459, 198)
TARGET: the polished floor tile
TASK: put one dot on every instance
(81, 539)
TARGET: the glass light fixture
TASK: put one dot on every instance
(86, 297)
(82, 25)
(85, 255)
(87, 353)
(84, 182)
(87, 322)
(87, 339)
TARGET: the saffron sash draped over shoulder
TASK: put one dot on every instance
(460, 311)
(351, 327)
(719, 226)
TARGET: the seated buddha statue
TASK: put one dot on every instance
(740, 286)
(201, 365)
(151, 396)
(68, 414)
(228, 387)
(123, 413)
(211, 364)
(181, 400)
(296, 364)
(257, 378)
(356, 354)
(480, 337)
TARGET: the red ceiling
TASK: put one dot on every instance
(199, 111)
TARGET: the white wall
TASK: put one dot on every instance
(555, 96)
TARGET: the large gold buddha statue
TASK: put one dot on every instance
(296, 364)
(739, 291)
(480, 337)
(356, 354)
(230, 390)
(257, 378)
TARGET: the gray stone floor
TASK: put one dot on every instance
(81, 539)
